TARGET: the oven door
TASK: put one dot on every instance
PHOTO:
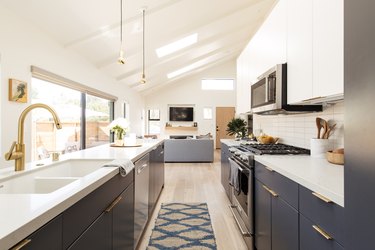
(242, 202)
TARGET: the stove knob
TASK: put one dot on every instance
(237, 153)
(245, 159)
(232, 150)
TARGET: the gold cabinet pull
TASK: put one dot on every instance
(322, 232)
(113, 204)
(273, 193)
(319, 196)
(21, 244)
(269, 169)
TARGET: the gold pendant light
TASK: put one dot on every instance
(121, 59)
(143, 78)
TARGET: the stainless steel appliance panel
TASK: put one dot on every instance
(141, 182)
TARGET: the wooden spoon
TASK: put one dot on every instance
(325, 129)
(329, 131)
(319, 126)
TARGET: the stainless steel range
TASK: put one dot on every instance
(242, 181)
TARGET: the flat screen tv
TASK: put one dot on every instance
(181, 114)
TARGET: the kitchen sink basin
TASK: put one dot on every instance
(50, 178)
(72, 168)
(33, 185)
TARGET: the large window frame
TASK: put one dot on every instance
(84, 90)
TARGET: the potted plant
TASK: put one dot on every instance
(119, 126)
(237, 127)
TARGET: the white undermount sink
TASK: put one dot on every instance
(51, 177)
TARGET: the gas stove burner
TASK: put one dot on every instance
(275, 149)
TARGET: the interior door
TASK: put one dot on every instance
(223, 116)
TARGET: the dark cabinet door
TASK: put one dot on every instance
(47, 237)
(263, 221)
(97, 237)
(284, 225)
(312, 239)
(123, 220)
(156, 176)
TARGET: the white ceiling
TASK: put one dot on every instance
(91, 28)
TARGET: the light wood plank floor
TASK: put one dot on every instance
(200, 182)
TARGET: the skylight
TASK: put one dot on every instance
(184, 69)
(217, 84)
(177, 45)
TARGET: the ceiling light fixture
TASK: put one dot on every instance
(143, 78)
(177, 45)
(121, 59)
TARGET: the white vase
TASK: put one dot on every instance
(119, 142)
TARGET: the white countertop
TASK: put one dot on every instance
(315, 174)
(22, 214)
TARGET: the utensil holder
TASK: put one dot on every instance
(319, 147)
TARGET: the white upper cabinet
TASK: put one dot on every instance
(328, 47)
(314, 50)
(299, 50)
(266, 49)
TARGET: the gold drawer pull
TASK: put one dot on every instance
(113, 204)
(322, 232)
(325, 199)
(269, 169)
(273, 193)
(21, 244)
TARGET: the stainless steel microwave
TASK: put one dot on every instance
(269, 94)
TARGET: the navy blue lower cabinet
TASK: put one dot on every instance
(47, 237)
(225, 168)
(284, 226)
(262, 217)
(312, 237)
(98, 236)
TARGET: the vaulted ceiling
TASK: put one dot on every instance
(91, 28)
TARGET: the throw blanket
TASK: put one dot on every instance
(234, 176)
(125, 166)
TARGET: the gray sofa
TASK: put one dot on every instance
(189, 150)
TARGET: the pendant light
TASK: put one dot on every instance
(143, 78)
(121, 59)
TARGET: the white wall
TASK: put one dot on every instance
(188, 91)
(22, 45)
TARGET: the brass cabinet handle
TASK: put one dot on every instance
(273, 193)
(21, 244)
(322, 232)
(113, 204)
(269, 169)
(319, 196)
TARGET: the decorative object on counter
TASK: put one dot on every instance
(17, 91)
(119, 126)
(55, 156)
(327, 129)
(237, 127)
(266, 139)
(183, 225)
(319, 147)
(336, 156)
(195, 124)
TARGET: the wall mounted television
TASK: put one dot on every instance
(181, 114)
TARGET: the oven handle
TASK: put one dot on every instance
(243, 232)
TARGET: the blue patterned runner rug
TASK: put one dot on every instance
(183, 226)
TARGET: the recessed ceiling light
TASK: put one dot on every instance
(177, 45)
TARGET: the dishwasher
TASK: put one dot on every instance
(141, 182)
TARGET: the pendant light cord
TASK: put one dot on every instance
(121, 24)
(143, 47)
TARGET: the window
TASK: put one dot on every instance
(207, 113)
(217, 84)
(153, 121)
(84, 118)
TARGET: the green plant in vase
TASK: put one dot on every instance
(237, 127)
(119, 127)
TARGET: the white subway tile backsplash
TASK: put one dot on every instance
(298, 129)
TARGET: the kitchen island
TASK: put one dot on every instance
(22, 214)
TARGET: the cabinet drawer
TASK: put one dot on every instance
(284, 187)
(79, 216)
(312, 239)
(328, 215)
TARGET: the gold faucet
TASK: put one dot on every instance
(19, 154)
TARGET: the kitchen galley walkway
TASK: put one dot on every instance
(199, 182)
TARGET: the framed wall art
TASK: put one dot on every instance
(17, 91)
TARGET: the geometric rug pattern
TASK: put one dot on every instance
(183, 226)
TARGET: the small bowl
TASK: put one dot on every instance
(335, 157)
(267, 139)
